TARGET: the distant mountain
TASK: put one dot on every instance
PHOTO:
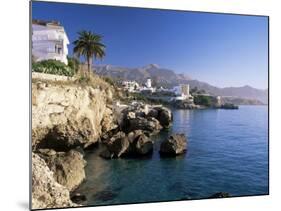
(168, 78)
(241, 101)
(247, 92)
(162, 76)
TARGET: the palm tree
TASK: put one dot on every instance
(89, 45)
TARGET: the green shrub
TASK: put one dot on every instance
(52, 67)
(203, 100)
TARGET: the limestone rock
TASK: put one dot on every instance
(46, 192)
(149, 125)
(135, 144)
(66, 116)
(164, 116)
(116, 146)
(69, 136)
(68, 167)
(140, 144)
(176, 144)
(150, 119)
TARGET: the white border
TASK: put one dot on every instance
(15, 102)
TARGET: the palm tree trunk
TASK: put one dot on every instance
(89, 65)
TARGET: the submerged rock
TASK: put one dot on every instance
(46, 191)
(176, 144)
(68, 167)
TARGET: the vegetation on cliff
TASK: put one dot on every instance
(53, 67)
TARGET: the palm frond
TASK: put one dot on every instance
(88, 45)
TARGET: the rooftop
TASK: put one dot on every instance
(46, 23)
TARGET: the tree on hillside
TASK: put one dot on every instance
(89, 45)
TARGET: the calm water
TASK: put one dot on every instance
(227, 152)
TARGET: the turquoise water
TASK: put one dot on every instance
(227, 152)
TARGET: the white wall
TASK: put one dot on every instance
(44, 40)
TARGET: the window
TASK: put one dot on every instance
(58, 49)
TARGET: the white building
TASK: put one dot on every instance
(218, 98)
(49, 41)
(148, 83)
(131, 86)
(148, 86)
(182, 92)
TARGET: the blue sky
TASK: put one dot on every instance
(223, 50)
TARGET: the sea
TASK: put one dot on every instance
(227, 152)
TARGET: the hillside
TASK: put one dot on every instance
(168, 78)
(163, 77)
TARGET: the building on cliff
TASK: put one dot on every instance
(49, 41)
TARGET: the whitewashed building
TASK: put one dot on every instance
(182, 92)
(148, 83)
(218, 101)
(49, 41)
(148, 86)
(131, 86)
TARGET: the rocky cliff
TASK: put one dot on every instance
(65, 116)
(46, 192)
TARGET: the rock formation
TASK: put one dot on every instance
(136, 143)
(140, 144)
(136, 121)
(46, 192)
(116, 146)
(150, 119)
(176, 144)
(164, 116)
(67, 116)
(68, 167)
